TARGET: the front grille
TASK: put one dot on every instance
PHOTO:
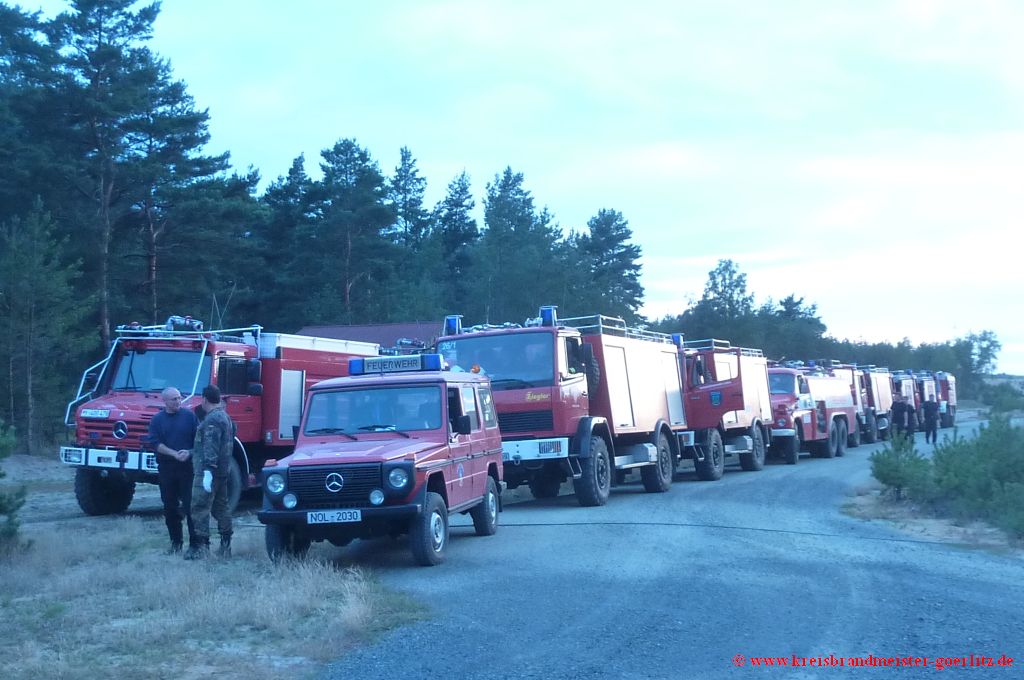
(101, 433)
(309, 484)
(526, 421)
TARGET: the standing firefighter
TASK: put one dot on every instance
(930, 411)
(172, 432)
(899, 414)
(211, 460)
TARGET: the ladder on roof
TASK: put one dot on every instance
(598, 324)
(714, 344)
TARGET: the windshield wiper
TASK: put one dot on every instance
(331, 430)
(384, 428)
(512, 382)
(127, 389)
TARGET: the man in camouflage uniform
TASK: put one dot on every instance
(211, 462)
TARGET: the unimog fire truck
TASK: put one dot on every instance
(813, 411)
(263, 378)
(728, 404)
(392, 449)
(588, 399)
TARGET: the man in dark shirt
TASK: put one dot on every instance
(172, 432)
(930, 411)
(899, 414)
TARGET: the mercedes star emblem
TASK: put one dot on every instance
(334, 482)
(120, 429)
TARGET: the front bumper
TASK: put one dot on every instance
(385, 513)
(529, 450)
(109, 459)
(783, 432)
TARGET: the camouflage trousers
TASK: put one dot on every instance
(204, 504)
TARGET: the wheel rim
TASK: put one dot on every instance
(665, 460)
(492, 506)
(602, 471)
(437, 531)
(716, 454)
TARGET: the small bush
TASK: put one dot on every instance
(10, 502)
(901, 468)
(1003, 398)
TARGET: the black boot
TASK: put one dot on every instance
(175, 548)
(225, 546)
(199, 550)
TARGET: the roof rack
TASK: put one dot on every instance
(185, 327)
(716, 344)
(598, 324)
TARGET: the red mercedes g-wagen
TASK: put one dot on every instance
(392, 449)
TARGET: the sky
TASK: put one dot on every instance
(866, 156)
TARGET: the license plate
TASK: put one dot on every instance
(106, 459)
(334, 516)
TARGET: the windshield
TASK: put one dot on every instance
(156, 369)
(381, 409)
(512, 361)
(782, 383)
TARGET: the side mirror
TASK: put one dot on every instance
(463, 425)
(253, 370)
(255, 390)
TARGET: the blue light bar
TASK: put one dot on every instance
(677, 339)
(548, 316)
(394, 364)
(452, 324)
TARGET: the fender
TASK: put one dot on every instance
(243, 462)
(661, 427)
(584, 431)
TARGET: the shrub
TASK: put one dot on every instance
(900, 467)
(1003, 398)
(10, 502)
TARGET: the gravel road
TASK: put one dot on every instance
(693, 583)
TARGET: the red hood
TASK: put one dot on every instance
(363, 451)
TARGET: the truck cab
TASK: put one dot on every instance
(393, 449)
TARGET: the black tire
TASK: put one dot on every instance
(485, 515)
(657, 478)
(949, 417)
(842, 435)
(591, 369)
(791, 450)
(595, 485)
(853, 438)
(713, 466)
(285, 542)
(98, 495)
(754, 461)
(870, 429)
(544, 485)
(826, 448)
(428, 532)
(234, 485)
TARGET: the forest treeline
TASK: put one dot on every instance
(112, 210)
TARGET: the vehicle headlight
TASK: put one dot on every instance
(290, 501)
(398, 477)
(275, 483)
(376, 497)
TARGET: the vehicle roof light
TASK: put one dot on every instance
(453, 324)
(548, 316)
(394, 364)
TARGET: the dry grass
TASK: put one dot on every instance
(103, 601)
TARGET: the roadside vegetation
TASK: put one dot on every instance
(103, 601)
(10, 501)
(979, 478)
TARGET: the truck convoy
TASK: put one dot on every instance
(392, 449)
(263, 377)
(593, 400)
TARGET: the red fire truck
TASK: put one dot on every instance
(946, 385)
(813, 411)
(728, 405)
(391, 449)
(876, 384)
(589, 399)
(263, 377)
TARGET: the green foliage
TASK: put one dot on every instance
(10, 502)
(900, 467)
(1002, 397)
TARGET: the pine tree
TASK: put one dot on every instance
(613, 282)
(405, 193)
(456, 231)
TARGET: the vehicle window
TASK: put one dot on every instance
(572, 362)
(512, 361)
(157, 369)
(487, 405)
(469, 407)
(232, 376)
(454, 406)
(782, 383)
(380, 409)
